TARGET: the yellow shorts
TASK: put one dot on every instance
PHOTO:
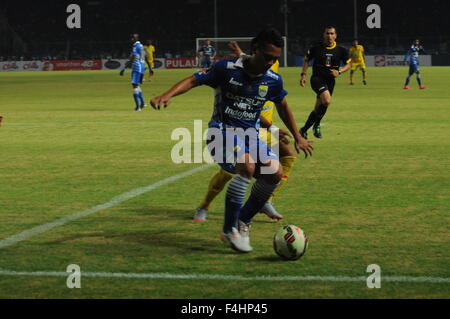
(355, 66)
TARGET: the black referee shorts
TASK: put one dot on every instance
(320, 84)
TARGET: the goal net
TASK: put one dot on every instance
(224, 52)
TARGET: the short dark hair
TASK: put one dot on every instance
(268, 36)
(331, 27)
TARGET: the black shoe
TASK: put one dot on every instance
(351, 83)
(303, 133)
(316, 130)
(364, 81)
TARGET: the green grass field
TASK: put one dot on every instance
(376, 191)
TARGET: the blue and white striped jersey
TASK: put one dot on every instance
(240, 98)
(138, 54)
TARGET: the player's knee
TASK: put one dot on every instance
(326, 101)
(245, 170)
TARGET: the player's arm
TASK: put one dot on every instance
(287, 117)
(127, 65)
(345, 68)
(405, 59)
(234, 46)
(304, 69)
(181, 87)
(265, 124)
(345, 58)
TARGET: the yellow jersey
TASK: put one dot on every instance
(150, 50)
(267, 110)
(357, 54)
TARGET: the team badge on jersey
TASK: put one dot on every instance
(262, 91)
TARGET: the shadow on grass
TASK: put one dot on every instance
(151, 229)
(158, 232)
(270, 259)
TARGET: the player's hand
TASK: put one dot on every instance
(283, 133)
(303, 80)
(303, 145)
(121, 72)
(235, 48)
(159, 101)
(334, 73)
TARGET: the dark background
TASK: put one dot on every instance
(37, 29)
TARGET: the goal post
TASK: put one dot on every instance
(222, 49)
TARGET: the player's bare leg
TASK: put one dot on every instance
(351, 76)
(364, 76)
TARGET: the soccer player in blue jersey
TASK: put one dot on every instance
(412, 58)
(207, 53)
(242, 86)
(137, 64)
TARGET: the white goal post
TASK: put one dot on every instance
(221, 45)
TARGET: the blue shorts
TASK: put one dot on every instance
(206, 62)
(413, 68)
(136, 77)
(228, 145)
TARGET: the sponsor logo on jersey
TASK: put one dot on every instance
(232, 81)
(262, 90)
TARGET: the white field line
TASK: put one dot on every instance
(14, 239)
(410, 279)
(48, 124)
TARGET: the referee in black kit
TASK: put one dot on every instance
(326, 67)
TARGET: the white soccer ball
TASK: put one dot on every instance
(290, 242)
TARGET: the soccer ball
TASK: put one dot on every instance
(290, 242)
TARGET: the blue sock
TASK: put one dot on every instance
(136, 96)
(407, 80)
(419, 80)
(233, 201)
(141, 97)
(261, 192)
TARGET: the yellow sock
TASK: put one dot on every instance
(287, 162)
(351, 77)
(364, 76)
(216, 185)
